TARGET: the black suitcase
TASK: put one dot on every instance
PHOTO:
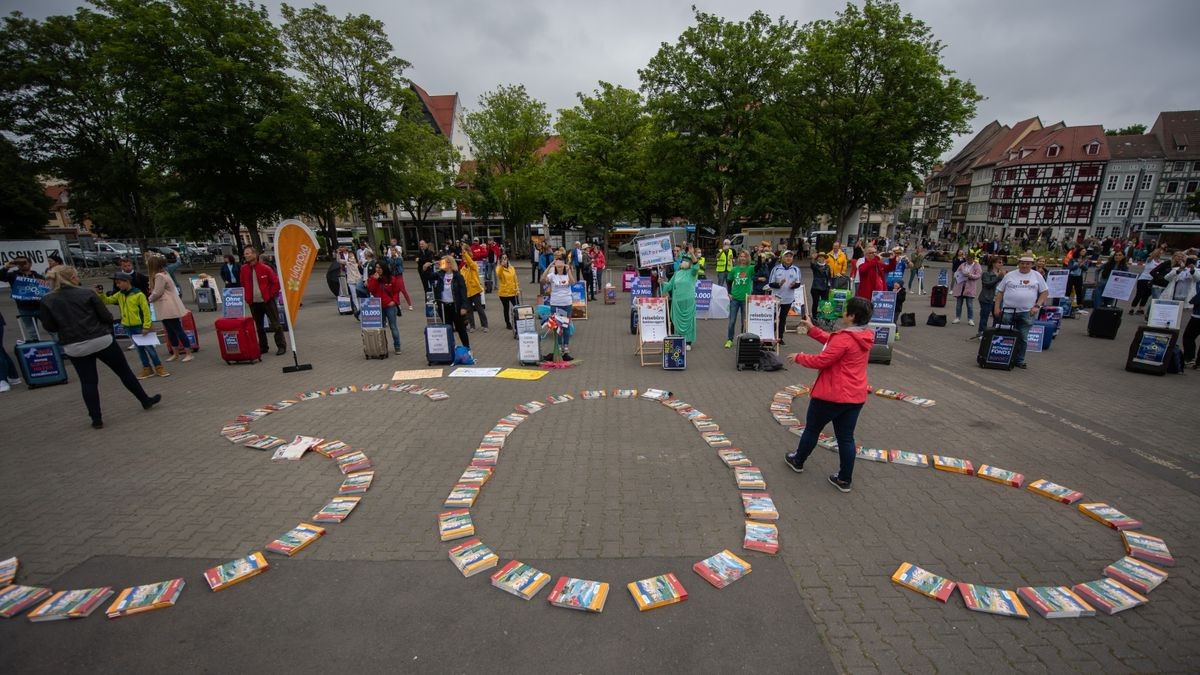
(998, 348)
(523, 320)
(1104, 322)
(1151, 350)
(747, 349)
(937, 296)
(841, 281)
(442, 336)
(633, 320)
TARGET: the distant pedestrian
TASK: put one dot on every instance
(988, 282)
(840, 390)
(966, 287)
(917, 261)
(168, 308)
(1024, 292)
(84, 328)
(1145, 283)
(472, 276)
(135, 319)
(384, 285)
(822, 280)
(725, 261)
(450, 291)
(231, 272)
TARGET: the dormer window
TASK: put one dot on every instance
(1012, 155)
(1025, 152)
(1092, 148)
(1053, 151)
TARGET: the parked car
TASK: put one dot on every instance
(83, 258)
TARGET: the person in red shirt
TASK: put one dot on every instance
(262, 285)
(387, 287)
(871, 273)
(841, 388)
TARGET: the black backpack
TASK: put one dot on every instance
(769, 362)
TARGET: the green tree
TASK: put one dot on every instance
(1131, 130)
(425, 178)
(709, 92)
(881, 103)
(506, 133)
(24, 205)
(359, 100)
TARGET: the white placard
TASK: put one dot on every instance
(37, 250)
(652, 319)
(1120, 285)
(436, 341)
(1057, 281)
(761, 315)
(476, 372)
(145, 339)
(654, 251)
(527, 347)
(1164, 314)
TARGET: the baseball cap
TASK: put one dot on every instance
(122, 276)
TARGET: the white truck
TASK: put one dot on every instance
(753, 236)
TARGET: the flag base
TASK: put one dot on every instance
(297, 368)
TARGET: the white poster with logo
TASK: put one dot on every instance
(652, 319)
(37, 250)
(761, 314)
(1164, 314)
(1120, 286)
(654, 251)
(527, 347)
(1057, 281)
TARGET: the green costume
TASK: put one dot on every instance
(682, 286)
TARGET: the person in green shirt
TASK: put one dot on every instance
(682, 287)
(741, 282)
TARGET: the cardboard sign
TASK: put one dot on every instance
(703, 295)
(654, 251)
(761, 316)
(233, 303)
(884, 303)
(883, 333)
(371, 313)
(652, 319)
(1120, 285)
(1152, 350)
(1036, 335)
(943, 277)
(640, 288)
(1001, 349)
(1164, 314)
(1057, 281)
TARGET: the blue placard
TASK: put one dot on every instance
(1000, 351)
(233, 303)
(674, 352)
(640, 288)
(884, 303)
(40, 361)
(1153, 348)
(28, 288)
(943, 277)
(703, 295)
(882, 333)
(371, 313)
(579, 292)
(343, 304)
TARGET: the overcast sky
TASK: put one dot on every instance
(1081, 61)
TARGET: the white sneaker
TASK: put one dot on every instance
(131, 347)
(970, 322)
(4, 386)
(955, 320)
(14, 381)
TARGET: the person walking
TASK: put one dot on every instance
(231, 272)
(682, 287)
(84, 328)
(508, 289)
(725, 261)
(262, 285)
(386, 286)
(988, 282)
(168, 308)
(966, 287)
(558, 278)
(135, 319)
(472, 277)
(784, 280)
(840, 390)
(1024, 292)
(450, 290)
(741, 282)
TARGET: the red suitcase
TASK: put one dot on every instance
(189, 329)
(238, 340)
(937, 296)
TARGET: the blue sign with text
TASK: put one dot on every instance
(884, 303)
(371, 313)
(703, 295)
(640, 288)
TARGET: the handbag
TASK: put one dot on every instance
(908, 319)
(936, 319)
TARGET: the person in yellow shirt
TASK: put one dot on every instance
(507, 288)
(470, 273)
(838, 262)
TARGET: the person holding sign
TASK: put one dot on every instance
(784, 281)
(1023, 291)
(383, 284)
(558, 277)
(741, 282)
(682, 287)
(840, 390)
(27, 307)
(135, 318)
(1116, 262)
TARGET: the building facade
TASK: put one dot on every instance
(1128, 187)
(981, 176)
(1178, 133)
(947, 187)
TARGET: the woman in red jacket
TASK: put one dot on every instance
(840, 390)
(871, 274)
(383, 285)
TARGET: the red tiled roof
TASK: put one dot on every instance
(1178, 128)
(55, 192)
(1071, 140)
(1139, 146)
(999, 149)
(553, 144)
(439, 108)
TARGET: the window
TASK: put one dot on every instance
(1146, 180)
(1083, 190)
(993, 211)
(1191, 186)
(1105, 208)
(1023, 212)
(1012, 174)
(1052, 191)
(1092, 148)
(1050, 212)
(1031, 173)
(1179, 166)
(1122, 208)
(1027, 191)
(995, 193)
(1035, 212)
(1008, 192)
(1164, 209)
(1085, 210)
(1129, 181)
(1052, 151)
(1195, 166)
(1139, 209)
(1089, 171)
(1112, 183)
(1058, 171)
(1172, 187)
(1073, 211)
(1006, 212)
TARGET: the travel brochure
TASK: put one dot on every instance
(1147, 548)
(1055, 491)
(1110, 596)
(953, 465)
(455, 524)
(759, 506)
(998, 475)
(17, 599)
(356, 483)
(1108, 515)
(520, 579)
(1136, 574)
(581, 594)
(923, 581)
(1056, 602)
(658, 591)
(236, 571)
(70, 604)
(8, 571)
(761, 537)
(295, 539)
(472, 557)
(992, 600)
(722, 569)
(145, 598)
(337, 509)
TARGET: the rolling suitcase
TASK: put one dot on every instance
(41, 363)
(840, 281)
(998, 346)
(937, 296)
(439, 344)
(674, 353)
(1048, 328)
(206, 299)
(881, 351)
(1104, 322)
(238, 340)
(523, 320)
(1151, 350)
(375, 344)
(747, 350)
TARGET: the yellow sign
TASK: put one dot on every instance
(522, 374)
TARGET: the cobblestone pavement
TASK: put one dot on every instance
(615, 480)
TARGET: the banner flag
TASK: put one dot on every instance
(295, 255)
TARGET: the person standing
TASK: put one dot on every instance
(1190, 332)
(784, 280)
(168, 307)
(822, 280)
(872, 270)
(395, 257)
(508, 289)
(741, 282)
(1181, 279)
(425, 271)
(1144, 283)
(384, 285)
(450, 289)
(966, 287)
(1024, 292)
(725, 261)
(917, 261)
(21, 267)
(84, 328)
(599, 262)
(471, 276)
(988, 282)
(262, 285)
(840, 390)
(577, 259)
(135, 318)
(682, 287)
(558, 278)
(1076, 268)
(586, 271)
(1115, 263)
(838, 263)
(8, 370)
(140, 281)
(231, 272)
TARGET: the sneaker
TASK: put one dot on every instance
(1022, 366)
(410, 308)
(970, 322)
(956, 320)
(161, 371)
(485, 329)
(97, 424)
(567, 357)
(14, 381)
(729, 344)
(689, 348)
(146, 372)
(399, 351)
(172, 357)
(130, 348)
(798, 468)
(186, 357)
(278, 352)
(5, 386)
(841, 485)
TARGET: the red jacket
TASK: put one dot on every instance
(478, 252)
(871, 275)
(388, 294)
(268, 282)
(843, 364)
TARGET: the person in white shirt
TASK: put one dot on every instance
(559, 278)
(1144, 283)
(1024, 292)
(784, 280)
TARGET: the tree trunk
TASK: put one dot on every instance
(255, 237)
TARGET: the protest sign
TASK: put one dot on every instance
(1164, 314)
(761, 316)
(1120, 285)
(36, 250)
(704, 291)
(640, 288)
(884, 303)
(26, 288)
(233, 303)
(1057, 281)
(652, 319)
(1152, 350)
(653, 251)
(943, 277)
(627, 278)
(371, 314)
(1036, 335)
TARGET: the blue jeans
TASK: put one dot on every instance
(390, 313)
(736, 308)
(912, 276)
(844, 417)
(985, 313)
(7, 368)
(148, 355)
(565, 338)
(958, 305)
(1022, 322)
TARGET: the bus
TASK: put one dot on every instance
(620, 235)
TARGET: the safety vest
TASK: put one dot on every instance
(700, 272)
(725, 260)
